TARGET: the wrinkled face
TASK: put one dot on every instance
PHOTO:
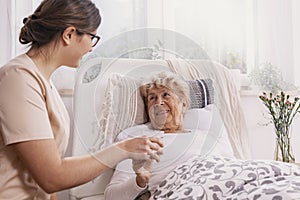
(164, 108)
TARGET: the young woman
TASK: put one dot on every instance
(34, 124)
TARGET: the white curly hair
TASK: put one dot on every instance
(171, 81)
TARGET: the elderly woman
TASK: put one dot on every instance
(166, 98)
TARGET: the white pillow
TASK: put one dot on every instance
(198, 118)
(209, 119)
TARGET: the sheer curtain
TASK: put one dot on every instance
(219, 27)
(275, 26)
(239, 34)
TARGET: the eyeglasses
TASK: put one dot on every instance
(95, 38)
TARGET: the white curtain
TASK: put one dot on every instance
(218, 26)
(239, 34)
(274, 35)
(12, 13)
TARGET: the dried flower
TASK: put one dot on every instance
(282, 111)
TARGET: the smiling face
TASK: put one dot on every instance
(164, 108)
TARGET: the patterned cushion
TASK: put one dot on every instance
(201, 92)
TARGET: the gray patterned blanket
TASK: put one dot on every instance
(231, 179)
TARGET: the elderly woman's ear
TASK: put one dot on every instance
(143, 91)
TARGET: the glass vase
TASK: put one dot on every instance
(283, 149)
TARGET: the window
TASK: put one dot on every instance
(238, 33)
(218, 27)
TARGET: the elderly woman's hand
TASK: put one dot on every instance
(143, 170)
(140, 148)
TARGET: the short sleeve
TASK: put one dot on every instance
(23, 111)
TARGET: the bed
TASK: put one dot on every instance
(106, 102)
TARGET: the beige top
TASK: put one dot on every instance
(30, 109)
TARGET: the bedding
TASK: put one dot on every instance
(178, 148)
(215, 177)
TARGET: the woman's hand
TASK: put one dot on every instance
(140, 148)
